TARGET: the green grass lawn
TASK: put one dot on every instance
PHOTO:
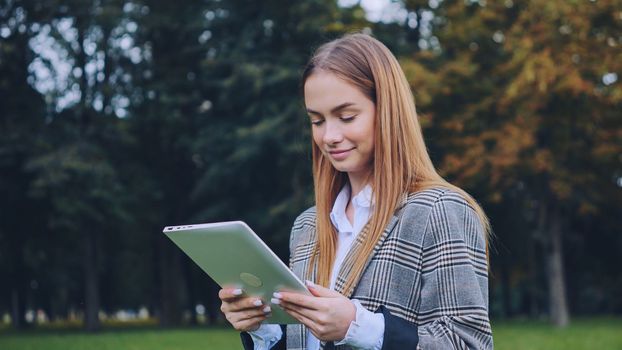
(602, 333)
(135, 339)
(582, 334)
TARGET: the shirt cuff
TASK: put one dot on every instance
(266, 336)
(366, 331)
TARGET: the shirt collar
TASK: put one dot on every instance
(362, 200)
(338, 213)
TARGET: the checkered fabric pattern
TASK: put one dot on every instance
(429, 267)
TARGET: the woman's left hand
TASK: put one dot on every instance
(327, 313)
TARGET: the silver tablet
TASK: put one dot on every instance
(234, 256)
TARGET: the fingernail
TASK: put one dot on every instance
(266, 309)
(257, 302)
(275, 301)
(310, 284)
(237, 292)
(277, 295)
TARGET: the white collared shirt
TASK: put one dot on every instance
(367, 330)
(346, 231)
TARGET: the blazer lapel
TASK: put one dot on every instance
(348, 262)
(300, 264)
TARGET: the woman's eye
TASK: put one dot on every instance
(348, 118)
(317, 122)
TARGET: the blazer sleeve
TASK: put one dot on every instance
(453, 303)
(247, 341)
(453, 310)
(398, 333)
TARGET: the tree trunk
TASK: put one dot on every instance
(18, 297)
(558, 306)
(533, 286)
(17, 312)
(171, 284)
(534, 267)
(506, 289)
(91, 283)
(191, 295)
(212, 306)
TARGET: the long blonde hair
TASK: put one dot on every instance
(401, 162)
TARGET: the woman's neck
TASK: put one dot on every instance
(358, 181)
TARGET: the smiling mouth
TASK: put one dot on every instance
(340, 151)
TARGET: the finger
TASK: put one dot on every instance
(249, 314)
(321, 291)
(310, 314)
(298, 308)
(227, 294)
(242, 304)
(250, 324)
(245, 304)
(309, 319)
(300, 316)
(310, 302)
(238, 316)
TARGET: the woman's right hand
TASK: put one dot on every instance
(243, 312)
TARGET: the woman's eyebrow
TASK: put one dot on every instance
(334, 110)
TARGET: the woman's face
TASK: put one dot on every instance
(342, 119)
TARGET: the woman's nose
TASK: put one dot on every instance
(332, 133)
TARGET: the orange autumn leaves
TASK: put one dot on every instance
(517, 94)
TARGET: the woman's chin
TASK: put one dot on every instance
(345, 168)
(341, 167)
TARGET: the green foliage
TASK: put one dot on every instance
(167, 114)
(256, 155)
(519, 111)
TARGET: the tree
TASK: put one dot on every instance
(166, 117)
(71, 166)
(522, 101)
(21, 119)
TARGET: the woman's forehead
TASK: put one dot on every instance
(324, 91)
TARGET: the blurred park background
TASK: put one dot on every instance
(118, 118)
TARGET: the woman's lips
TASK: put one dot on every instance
(340, 154)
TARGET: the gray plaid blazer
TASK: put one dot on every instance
(428, 268)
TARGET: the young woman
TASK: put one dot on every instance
(394, 255)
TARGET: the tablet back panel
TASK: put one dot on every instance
(234, 256)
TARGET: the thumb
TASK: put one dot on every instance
(320, 291)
